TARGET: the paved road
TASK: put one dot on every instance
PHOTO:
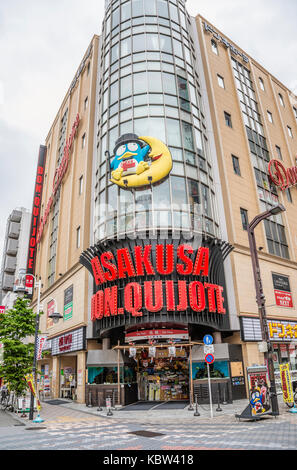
(68, 429)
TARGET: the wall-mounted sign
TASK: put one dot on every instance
(68, 303)
(29, 284)
(36, 212)
(282, 177)
(69, 342)
(2, 309)
(139, 161)
(58, 177)
(282, 290)
(154, 295)
(224, 41)
(163, 333)
(279, 330)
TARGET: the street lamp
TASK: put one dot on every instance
(261, 298)
(55, 316)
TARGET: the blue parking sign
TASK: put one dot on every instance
(208, 339)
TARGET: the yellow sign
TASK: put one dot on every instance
(30, 382)
(279, 330)
(139, 161)
(286, 383)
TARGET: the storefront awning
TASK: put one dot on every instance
(221, 352)
(107, 358)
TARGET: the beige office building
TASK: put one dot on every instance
(254, 121)
(64, 231)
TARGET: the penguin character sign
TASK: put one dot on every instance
(139, 161)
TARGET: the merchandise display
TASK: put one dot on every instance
(164, 379)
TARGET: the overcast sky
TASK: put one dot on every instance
(43, 41)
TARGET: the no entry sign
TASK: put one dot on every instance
(209, 358)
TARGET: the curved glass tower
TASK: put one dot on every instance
(149, 86)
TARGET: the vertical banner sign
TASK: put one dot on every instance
(68, 303)
(36, 211)
(282, 291)
(2, 309)
(40, 343)
(50, 310)
(31, 385)
(286, 383)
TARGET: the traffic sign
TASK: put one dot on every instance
(209, 349)
(207, 340)
(209, 358)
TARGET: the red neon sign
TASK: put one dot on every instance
(59, 175)
(280, 176)
(36, 210)
(154, 295)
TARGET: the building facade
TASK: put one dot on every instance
(14, 256)
(176, 137)
(64, 219)
(254, 119)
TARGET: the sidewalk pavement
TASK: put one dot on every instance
(71, 411)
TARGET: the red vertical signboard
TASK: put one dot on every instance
(36, 212)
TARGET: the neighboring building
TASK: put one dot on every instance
(254, 118)
(14, 256)
(64, 232)
(169, 164)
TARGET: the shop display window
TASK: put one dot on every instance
(109, 375)
(218, 370)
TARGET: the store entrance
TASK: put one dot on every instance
(164, 377)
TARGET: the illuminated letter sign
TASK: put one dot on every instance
(154, 295)
(36, 211)
(58, 177)
(139, 161)
(280, 176)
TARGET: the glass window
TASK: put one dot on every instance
(162, 195)
(140, 82)
(126, 11)
(244, 218)
(173, 132)
(214, 47)
(182, 88)
(126, 86)
(221, 81)
(162, 7)
(173, 13)
(115, 18)
(115, 53)
(261, 82)
(137, 8)
(281, 99)
(290, 132)
(228, 119)
(269, 115)
(114, 92)
(177, 47)
(139, 43)
(236, 166)
(125, 47)
(193, 188)
(188, 136)
(152, 42)
(165, 44)
(179, 194)
(206, 200)
(150, 7)
(154, 82)
(143, 200)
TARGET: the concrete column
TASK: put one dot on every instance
(106, 343)
(217, 337)
(81, 377)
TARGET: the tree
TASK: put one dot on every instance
(17, 324)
